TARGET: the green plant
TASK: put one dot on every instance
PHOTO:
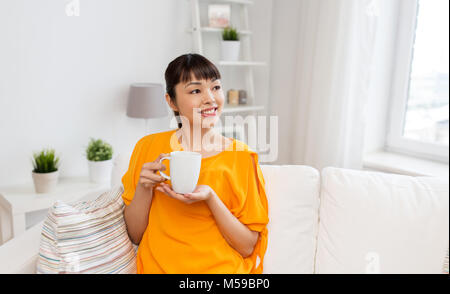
(98, 150)
(45, 161)
(230, 34)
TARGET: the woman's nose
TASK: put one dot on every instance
(209, 97)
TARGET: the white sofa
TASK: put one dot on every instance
(336, 221)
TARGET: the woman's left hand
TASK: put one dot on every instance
(200, 193)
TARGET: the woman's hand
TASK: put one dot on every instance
(201, 193)
(149, 177)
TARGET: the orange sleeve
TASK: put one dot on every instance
(250, 205)
(131, 177)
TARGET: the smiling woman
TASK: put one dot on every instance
(221, 226)
(194, 75)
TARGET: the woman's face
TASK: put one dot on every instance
(199, 101)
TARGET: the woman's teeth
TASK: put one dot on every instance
(209, 112)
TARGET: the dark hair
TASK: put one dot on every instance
(182, 68)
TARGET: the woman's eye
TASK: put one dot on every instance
(217, 88)
(196, 91)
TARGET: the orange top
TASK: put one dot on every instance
(184, 238)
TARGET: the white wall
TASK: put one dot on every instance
(285, 31)
(64, 79)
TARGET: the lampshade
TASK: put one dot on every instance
(146, 100)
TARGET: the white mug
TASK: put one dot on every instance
(184, 170)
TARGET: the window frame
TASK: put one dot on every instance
(395, 142)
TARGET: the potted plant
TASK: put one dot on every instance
(99, 156)
(45, 171)
(230, 44)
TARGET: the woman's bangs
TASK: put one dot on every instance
(199, 71)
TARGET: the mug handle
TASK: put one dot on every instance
(160, 172)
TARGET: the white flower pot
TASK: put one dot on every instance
(100, 171)
(230, 50)
(45, 182)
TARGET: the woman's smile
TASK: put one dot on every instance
(208, 112)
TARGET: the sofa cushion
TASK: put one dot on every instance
(293, 197)
(87, 237)
(372, 222)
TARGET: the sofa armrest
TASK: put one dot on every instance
(19, 255)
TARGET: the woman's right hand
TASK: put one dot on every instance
(149, 177)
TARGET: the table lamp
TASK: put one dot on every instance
(146, 100)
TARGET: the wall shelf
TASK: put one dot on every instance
(244, 68)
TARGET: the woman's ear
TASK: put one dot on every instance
(170, 102)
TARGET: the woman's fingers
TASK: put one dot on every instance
(156, 165)
(148, 177)
(153, 182)
(195, 196)
(152, 176)
(161, 156)
(199, 191)
(153, 166)
(166, 189)
(171, 193)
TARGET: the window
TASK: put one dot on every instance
(419, 119)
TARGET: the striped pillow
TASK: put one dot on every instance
(87, 237)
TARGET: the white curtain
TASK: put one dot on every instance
(334, 67)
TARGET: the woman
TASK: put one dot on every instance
(221, 226)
